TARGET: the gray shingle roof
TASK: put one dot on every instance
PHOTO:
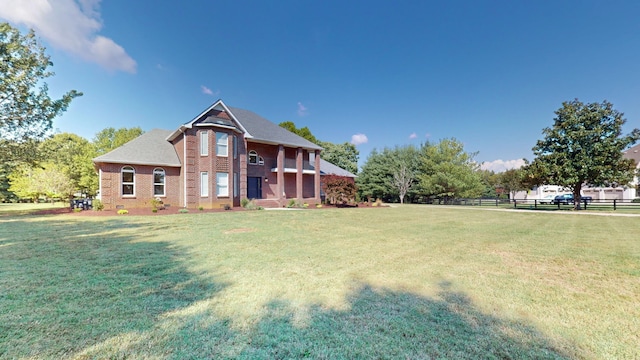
(150, 148)
(327, 168)
(263, 130)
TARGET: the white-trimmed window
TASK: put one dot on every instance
(128, 180)
(254, 159)
(204, 184)
(158, 182)
(222, 184)
(204, 143)
(222, 144)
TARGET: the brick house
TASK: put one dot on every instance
(223, 155)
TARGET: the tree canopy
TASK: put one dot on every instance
(447, 171)
(344, 155)
(26, 110)
(584, 147)
(111, 138)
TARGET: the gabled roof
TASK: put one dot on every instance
(255, 127)
(633, 153)
(264, 131)
(327, 168)
(150, 148)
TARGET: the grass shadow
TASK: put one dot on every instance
(380, 324)
(66, 285)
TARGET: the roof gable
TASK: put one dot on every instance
(253, 126)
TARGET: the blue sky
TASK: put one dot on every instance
(378, 73)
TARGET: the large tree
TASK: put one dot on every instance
(74, 155)
(584, 148)
(111, 138)
(26, 110)
(390, 174)
(344, 155)
(448, 171)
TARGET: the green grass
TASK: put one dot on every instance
(28, 208)
(402, 282)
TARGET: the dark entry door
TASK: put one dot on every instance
(254, 187)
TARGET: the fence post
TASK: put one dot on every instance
(514, 203)
(614, 204)
(496, 202)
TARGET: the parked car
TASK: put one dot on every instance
(568, 199)
(547, 199)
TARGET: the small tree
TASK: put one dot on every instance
(511, 181)
(339, 189)
(402, 180)
(584, 147)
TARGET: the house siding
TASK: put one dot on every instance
(111, 194)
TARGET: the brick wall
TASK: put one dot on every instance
(111, 186)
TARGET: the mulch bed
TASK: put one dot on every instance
(175, 210)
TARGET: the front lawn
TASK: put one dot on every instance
(402, 282)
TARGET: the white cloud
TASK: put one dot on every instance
(206, 90)
(358, 139)
(502, 165)
(302, 110)
(72, 26)
(413, 136)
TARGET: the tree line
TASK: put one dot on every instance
(60, 166)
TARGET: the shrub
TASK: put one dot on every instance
(156, 203)
(183, 211)
(123, 212)
(227, 207)
(318, 206)
(200, 208)
(636, 200)
(244, 202)
(77, 210)
(154, 210)
(292, 203)
(97, 205)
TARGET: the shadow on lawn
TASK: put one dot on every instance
(67, 285)
(84, 289)
(394, 325)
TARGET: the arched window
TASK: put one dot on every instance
(128, 176)
(158, 182)
(253, 157)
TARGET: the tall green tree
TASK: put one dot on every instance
(448, 171)
(584, 148)
(49, 180)
(74, 155)
(344, 155)
(382, 174)
(111, 138)
(303, 132)
(26, 110)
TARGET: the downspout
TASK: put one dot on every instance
(184, 157)
(99, 184)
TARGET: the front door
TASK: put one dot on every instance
(254, 187)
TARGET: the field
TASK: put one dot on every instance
(397, 282)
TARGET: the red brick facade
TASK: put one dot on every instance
(273, 174)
